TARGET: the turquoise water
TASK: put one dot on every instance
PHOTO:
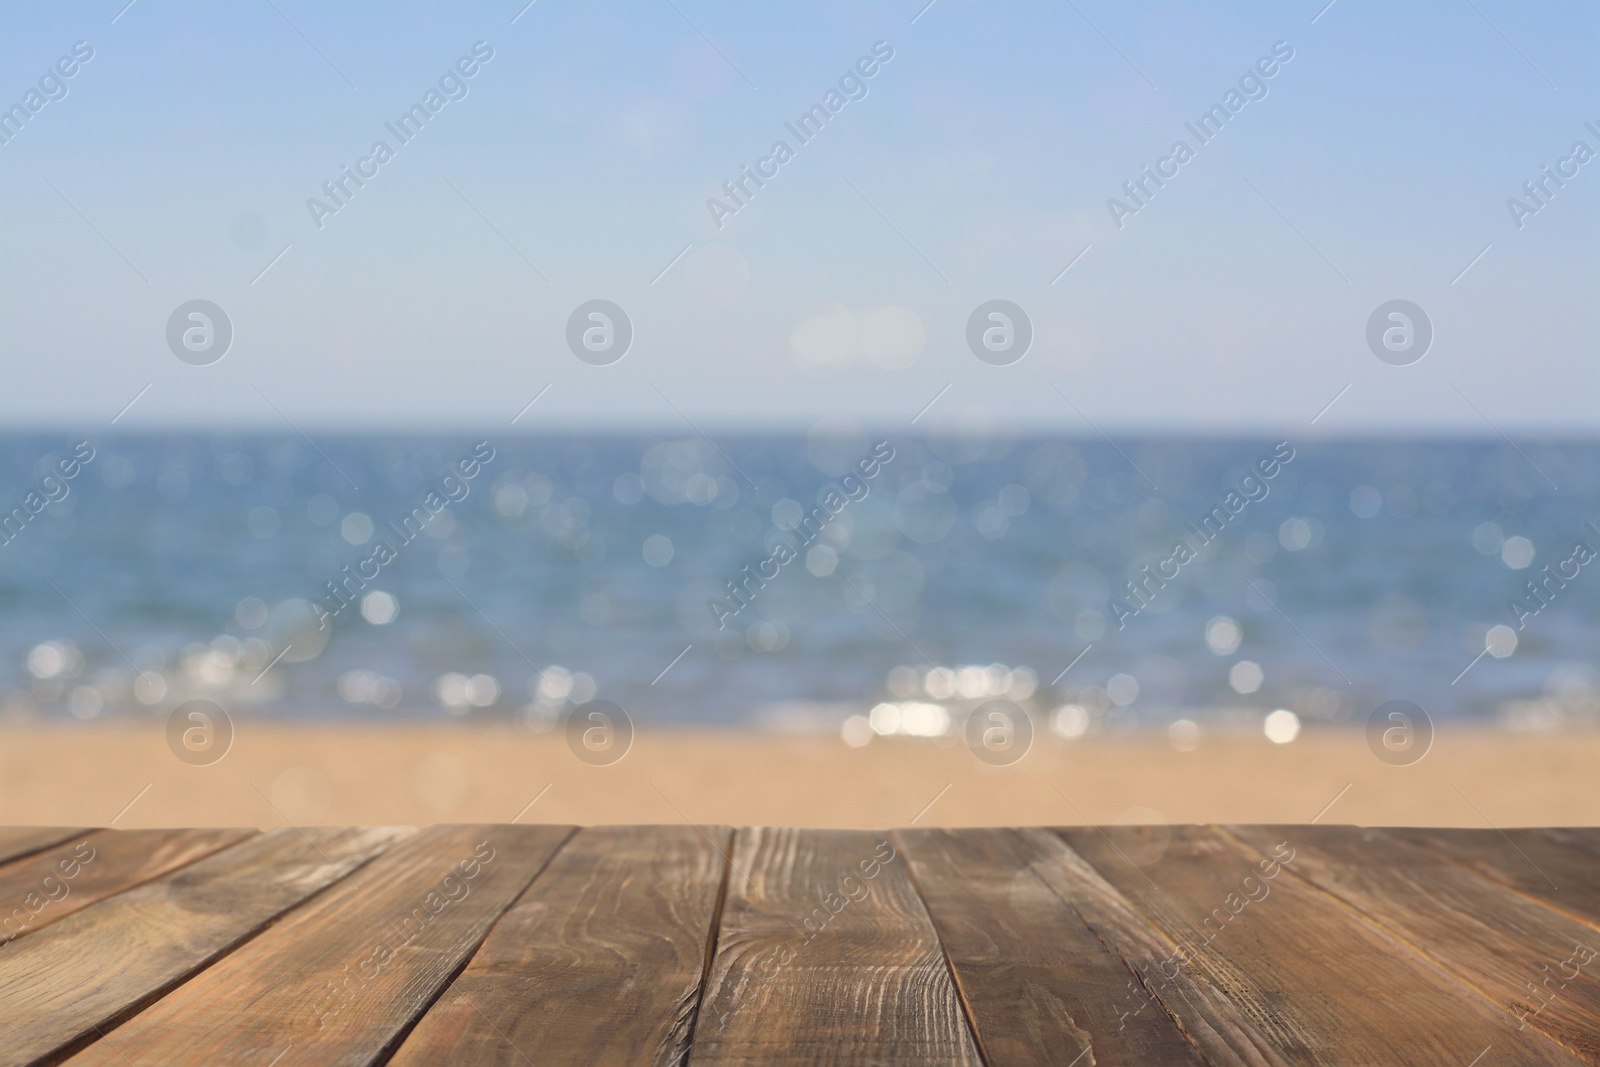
(1356, 572)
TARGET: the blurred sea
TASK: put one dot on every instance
(975, 566)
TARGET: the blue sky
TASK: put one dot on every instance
(977, 166)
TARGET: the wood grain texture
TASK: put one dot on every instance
(17, 841)
(826, 955)
(339, 980)
(1041, 986)
(1324, 986)
(1548, 865)
(71, 980)
(599, 963)
(1224, 1033)
(48, 886)
(540, 947)
(1506, 946)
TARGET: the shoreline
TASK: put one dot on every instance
(276, 774)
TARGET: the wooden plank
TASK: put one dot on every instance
(71, 982)
(826, 955)
(50, 885)
(1503, 944)
(1224, 1033)
(1041, 986)
(1323, 985)
(1543, 864)
(600, 961)
(19, 841)
(341, 979)
(1547, 865)
(1584, 837)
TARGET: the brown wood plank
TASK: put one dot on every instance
(1223, 1031)
(1323, 985)
(1041, 987)
(339, 980)
(826, 955)
(1506, 946)
(19, 841)
(1544, 864)
(71, 981)
(1584, 837)
(50, 885)
(599, 962)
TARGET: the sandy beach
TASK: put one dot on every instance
(343, 774)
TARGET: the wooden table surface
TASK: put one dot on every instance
(552, 945)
